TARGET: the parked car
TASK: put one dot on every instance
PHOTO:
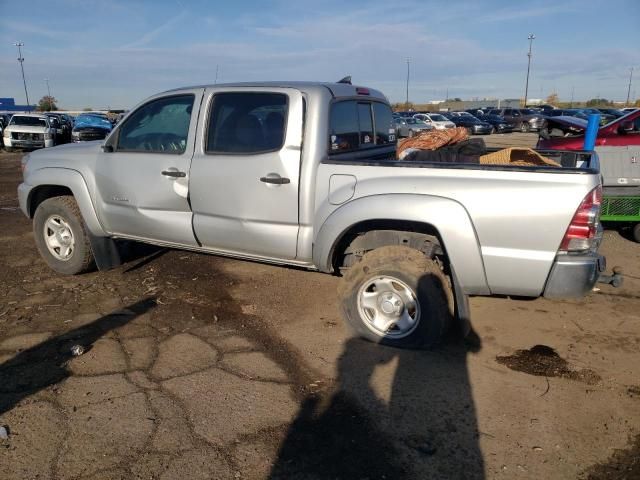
(408, 127)
(612, 111)
(90, 127)
(437, 121)
(471, 123)
(62, 125)
(269, 173)
(29, 131)
(499, 124)
(525, 120)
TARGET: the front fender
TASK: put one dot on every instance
(447, 216)
(62, 177)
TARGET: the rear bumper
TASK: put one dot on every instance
(574, 276)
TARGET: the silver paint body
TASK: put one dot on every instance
(501, 228)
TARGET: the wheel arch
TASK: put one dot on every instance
(432, 217)
(52, 182)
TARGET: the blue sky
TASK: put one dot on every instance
(115, 53)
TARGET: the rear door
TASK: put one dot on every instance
(245, 171)
(142, 178)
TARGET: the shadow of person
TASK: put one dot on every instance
(44, 364)
(394, 414)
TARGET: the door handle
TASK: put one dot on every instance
(174, 173)
(275, 180)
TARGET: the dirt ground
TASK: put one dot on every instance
(203, 367)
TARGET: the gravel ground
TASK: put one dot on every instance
(203, 367)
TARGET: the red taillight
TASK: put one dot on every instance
(583, 228)
(362, 91)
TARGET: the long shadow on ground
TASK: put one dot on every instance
(44, 364)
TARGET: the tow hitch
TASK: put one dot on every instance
(614, 280)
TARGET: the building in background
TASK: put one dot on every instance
(9, 105)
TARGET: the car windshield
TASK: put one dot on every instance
(92, 121)
(438, 118)
(28, 121)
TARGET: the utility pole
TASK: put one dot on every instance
(531, 37)
(215, 82)
(48, 93)
(629, 89)
(407, 98)
(572, 92)
(21, 61)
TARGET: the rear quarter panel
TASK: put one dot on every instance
(519, 217)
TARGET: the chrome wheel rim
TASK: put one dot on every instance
(388, 307)
(58, 237)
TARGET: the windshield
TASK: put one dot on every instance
(92, 121)
(28, 121)
(439, 118)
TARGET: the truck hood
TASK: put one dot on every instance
(75, 156)
(27, 129)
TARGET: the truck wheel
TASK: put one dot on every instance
(397, 296)
(61, 236)
(525, 127)
(636, 232)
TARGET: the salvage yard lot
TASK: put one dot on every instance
(204, 367)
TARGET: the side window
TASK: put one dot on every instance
(352, 125)
(247, 123)
(160, 126)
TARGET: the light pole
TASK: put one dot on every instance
(48, 93)
(407, 98)
(629, 89)
(531, 37)
(21, 60)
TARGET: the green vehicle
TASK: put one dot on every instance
(622, 209)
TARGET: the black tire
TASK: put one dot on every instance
(525, 127)
(424, 277)
(636, 232)
(66, 208)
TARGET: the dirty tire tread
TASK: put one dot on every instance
(83, 247)
(409, 265)
(636, 232)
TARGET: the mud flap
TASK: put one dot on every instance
(462, 311)
(105, 252)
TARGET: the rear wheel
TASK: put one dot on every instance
(636, 232)
(525, 127)
(61, 236)
(397, 296)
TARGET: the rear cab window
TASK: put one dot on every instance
(356, 125)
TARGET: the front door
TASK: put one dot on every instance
(245, 172)
(143, 174)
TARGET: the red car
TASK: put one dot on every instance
(567, 133)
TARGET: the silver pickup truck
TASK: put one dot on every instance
(305, 174)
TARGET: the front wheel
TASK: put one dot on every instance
(397, 296)
(61, 236)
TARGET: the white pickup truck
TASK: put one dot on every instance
(29, 132)
(305, 174)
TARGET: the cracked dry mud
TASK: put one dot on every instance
(202, 367)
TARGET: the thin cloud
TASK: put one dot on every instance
(152, 35)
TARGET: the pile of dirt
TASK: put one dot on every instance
(544, 361)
